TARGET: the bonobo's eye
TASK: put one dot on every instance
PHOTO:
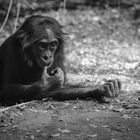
(42, 45)
(53, 44)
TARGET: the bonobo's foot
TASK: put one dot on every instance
(112, 88)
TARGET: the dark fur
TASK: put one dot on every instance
(18, 65)
(20, 73)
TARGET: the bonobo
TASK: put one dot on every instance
(31, 66)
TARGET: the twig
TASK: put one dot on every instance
(28, 4)
(8, 12)
(18, 105)
(64, 5)
(17, 16)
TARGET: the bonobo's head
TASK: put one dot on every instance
(41, 39)
(45, 48)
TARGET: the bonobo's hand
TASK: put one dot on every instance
(58, 77)
(54, 81)
(111, 88)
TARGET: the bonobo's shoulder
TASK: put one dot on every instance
(10, 41)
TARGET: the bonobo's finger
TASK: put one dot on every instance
(117, 89)
(59, 72)
(119, 84)
(45, 74)
(54, 71)
(108, 92)
(60, 76)
(112, 89)
(115, 86)
(111, 86)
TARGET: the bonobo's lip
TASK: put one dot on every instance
(42, 62)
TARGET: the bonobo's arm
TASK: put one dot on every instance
(12, 93)
(111, 89)
(52, 87)
(16, 92)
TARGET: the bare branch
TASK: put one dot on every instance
(17, 16)
(17, 105)
(28, 4)
(64, 5)
(6, 18)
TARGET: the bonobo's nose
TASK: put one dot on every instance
(47, 55)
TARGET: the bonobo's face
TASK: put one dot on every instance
(44, 49)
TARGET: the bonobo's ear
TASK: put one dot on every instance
(24, 42)
(23, 39)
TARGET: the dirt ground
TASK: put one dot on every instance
(102, 45)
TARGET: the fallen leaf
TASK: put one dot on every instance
(105, 126)
(75, 107)
(126, 116)
(118, 110)
(55, 135)
(93, 125)
(92, 136)
(64, 130)
(97, 110)
(32, 137)
(87, 119)
(132, 106)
